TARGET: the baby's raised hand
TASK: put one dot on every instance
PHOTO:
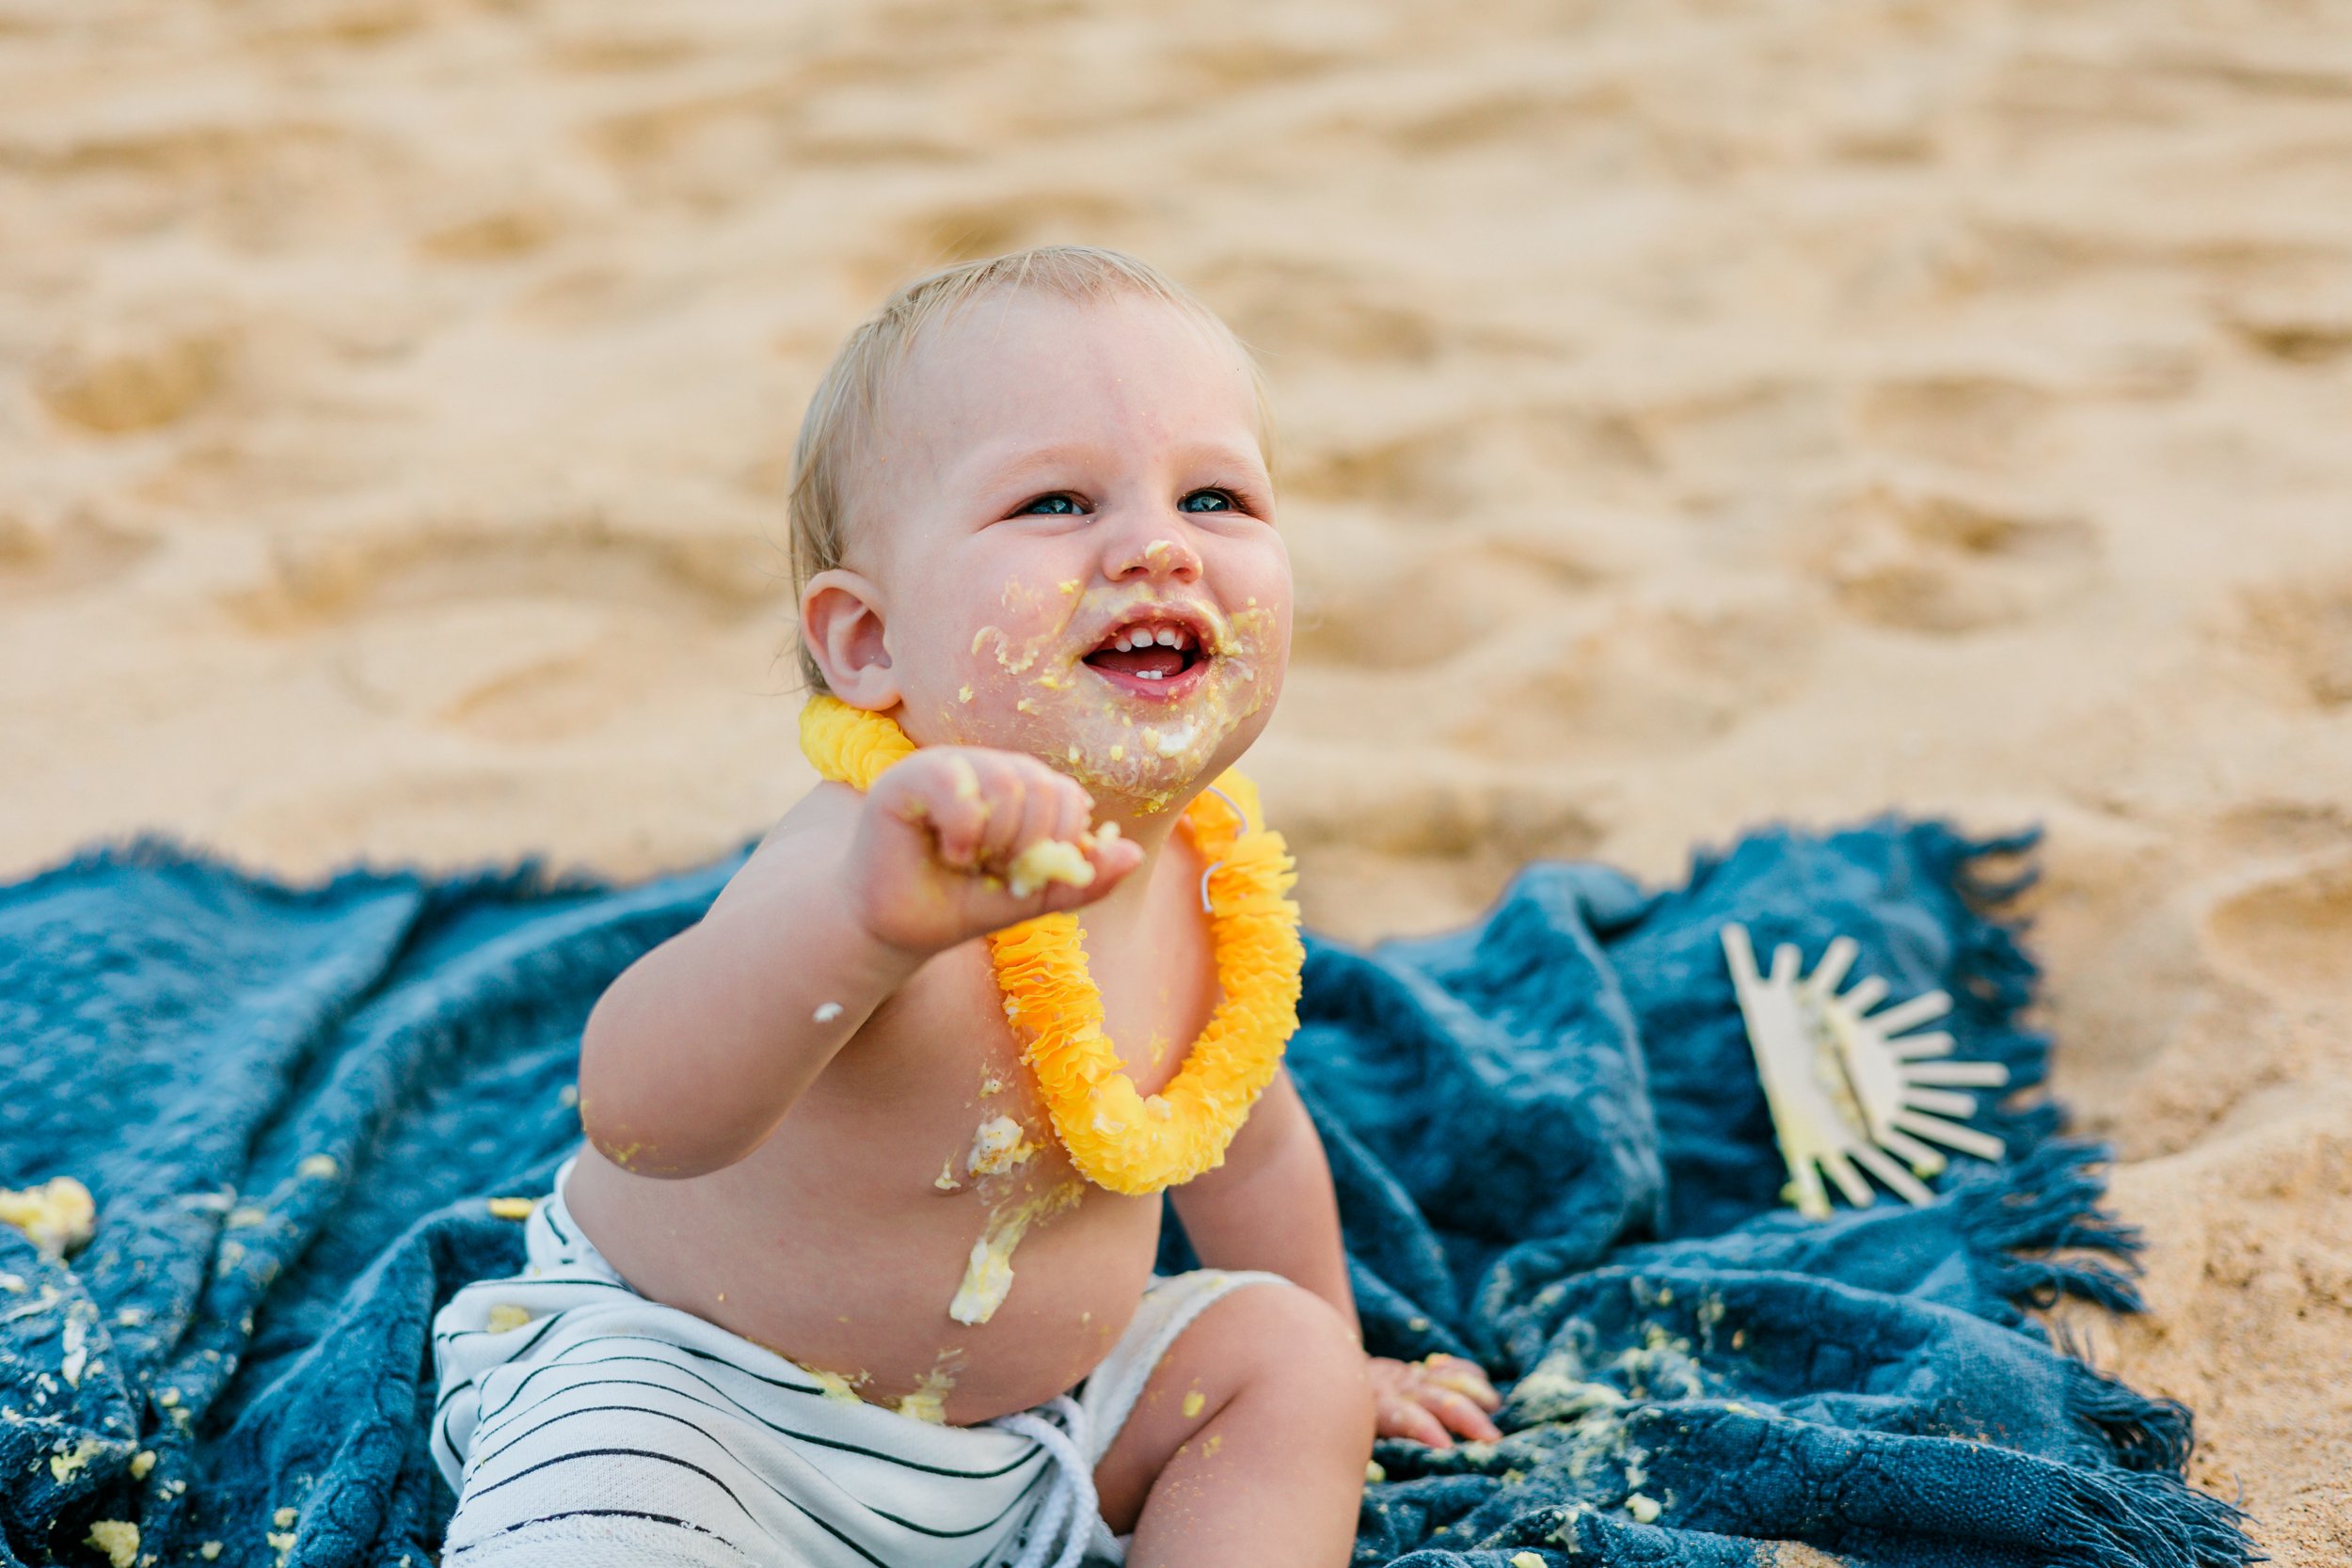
(936, 847)
(1433, 1401)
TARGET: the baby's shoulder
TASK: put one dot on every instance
(809, 837)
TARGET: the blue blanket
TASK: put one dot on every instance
(1551, 1151)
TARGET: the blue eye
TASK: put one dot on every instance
(1056, 505)
(1208, 500)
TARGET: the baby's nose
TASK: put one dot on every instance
(1155, 557)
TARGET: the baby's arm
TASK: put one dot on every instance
(694, 1054)
(1271, 1206)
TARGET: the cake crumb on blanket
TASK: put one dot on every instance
(58, 1214)
(117, 1537)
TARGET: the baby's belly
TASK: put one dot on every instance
(852, 1265)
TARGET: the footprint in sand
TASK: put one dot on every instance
(494, 231)
(1293, 310)
(1732, 431)
(966, 229)
(520, 639)
(1636, 675)
(135, 373)
(2271, 828)
(1379, 605)
(616, 44)
(1945, 564)
(1412, 473)
(2305, 629)
(1237, 63)
(1565, 118)
(2302, 326)
(1965, 420)
(707, 147)
(1435, 475)
(45, 555)
(2292, 934)
(1442, 817)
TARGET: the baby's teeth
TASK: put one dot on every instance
(1147, 675)
(1132, 638)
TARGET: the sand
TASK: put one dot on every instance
(1696, 415)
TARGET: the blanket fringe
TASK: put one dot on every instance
(1993, 978)
(2134, 1519)
(2030, 1225)
(2037, 1233)
(2045, 1202)
(2143, 1431)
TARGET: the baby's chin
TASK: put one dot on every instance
(1136, 757)
(1154, 770)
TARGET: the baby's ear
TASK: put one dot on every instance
(841, 624)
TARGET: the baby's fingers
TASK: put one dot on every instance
(1074, 811)
(1398, 1416)
(1046, 804)
(1465, 1378)
(947, 798)
(1008, 795)
(1459, 1415)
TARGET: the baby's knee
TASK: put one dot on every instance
(1303, 1351)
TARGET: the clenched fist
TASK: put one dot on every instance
(940, 833)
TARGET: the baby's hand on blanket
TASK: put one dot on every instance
(933, 862)
(1433, 1401)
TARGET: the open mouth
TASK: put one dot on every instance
(1151, 655)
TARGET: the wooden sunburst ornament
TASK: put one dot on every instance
(1848, 1088)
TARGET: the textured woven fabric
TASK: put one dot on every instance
(1551, 1150)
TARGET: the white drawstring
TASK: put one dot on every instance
(1211, 870)
(1069, 1508)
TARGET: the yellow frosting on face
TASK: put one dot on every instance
(1116, 1138)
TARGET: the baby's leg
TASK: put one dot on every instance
(1248, 1444)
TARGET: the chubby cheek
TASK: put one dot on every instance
(1270, 635)
(984, 665)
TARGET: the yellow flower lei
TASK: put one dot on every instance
(1118, 1138)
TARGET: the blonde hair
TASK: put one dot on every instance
(843, 409)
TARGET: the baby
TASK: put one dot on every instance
(820, 1285)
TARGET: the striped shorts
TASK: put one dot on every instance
(582, 1425)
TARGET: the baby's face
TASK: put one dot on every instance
(1068, 531)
